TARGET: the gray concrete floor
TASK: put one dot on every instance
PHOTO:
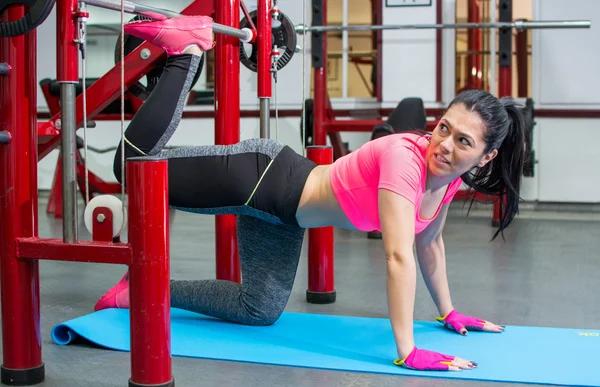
(536, 277)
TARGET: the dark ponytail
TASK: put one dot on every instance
(505, 131)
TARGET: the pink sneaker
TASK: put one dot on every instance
(117, 297)
(174, 35)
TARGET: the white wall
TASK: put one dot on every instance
(409, 55)
(564, 67)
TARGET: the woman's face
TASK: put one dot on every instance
(457, 143)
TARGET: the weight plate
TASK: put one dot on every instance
(283, 36)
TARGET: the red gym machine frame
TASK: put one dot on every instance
(147, 251)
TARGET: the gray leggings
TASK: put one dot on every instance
(258, 180)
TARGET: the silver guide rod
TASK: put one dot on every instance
(69, 168)
(519, 25)
(244, 35)
(265, 118)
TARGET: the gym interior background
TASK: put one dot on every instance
(562, 76)
(536, 278)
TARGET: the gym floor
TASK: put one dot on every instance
(537, 277)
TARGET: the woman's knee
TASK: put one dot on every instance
(265, 317)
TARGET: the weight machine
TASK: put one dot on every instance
(23, 141)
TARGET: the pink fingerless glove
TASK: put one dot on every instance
(456, 321)
(424, 360)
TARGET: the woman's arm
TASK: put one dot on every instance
(397, 219)
(431, 254)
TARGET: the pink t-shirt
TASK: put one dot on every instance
(395, 162)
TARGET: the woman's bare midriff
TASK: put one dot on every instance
(318, 205)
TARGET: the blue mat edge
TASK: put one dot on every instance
(73, 335)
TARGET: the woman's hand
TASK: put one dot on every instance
(424, 360)
(462, 324)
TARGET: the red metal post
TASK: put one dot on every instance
(67, 58)
(149, 273)
(521, 41)
(505, 81)
(474, 63)
(264, 41)
(227, 128)
(320, 89)
(504, 89)
(19, 282)
(321, 283)
(320, 103)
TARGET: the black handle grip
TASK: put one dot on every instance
(4, 137)
(4, 68)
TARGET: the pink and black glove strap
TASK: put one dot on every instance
(456, 322)
(424, 360)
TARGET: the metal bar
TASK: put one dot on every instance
(332, 126)
(244, 35)
(264, 41)
(149, 274)
(227, 131)
(265, 117)
(67, 71)
(4, 137)
(69, 170)
(84, 251)
(519, 25)
(321, 280)
(19, 280)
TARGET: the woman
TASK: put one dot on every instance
(400, 185)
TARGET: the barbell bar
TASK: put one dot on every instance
(245, 35)
(518, 25)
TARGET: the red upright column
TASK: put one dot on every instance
(264, 41)
(320, 77)
(321, 283)
(21, 336)
(227, 128)
(148, 193)
(67, 56)
(474, 62)
(504, 79)
(521, 39)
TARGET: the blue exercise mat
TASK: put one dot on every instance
(360, 344)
